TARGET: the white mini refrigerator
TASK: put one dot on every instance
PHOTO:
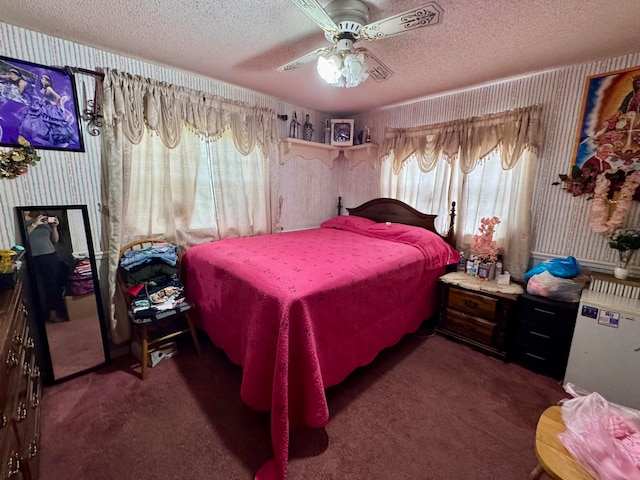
(605, 350)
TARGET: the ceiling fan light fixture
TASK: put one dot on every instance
(330, 69)
(354, 71)
(343, 70)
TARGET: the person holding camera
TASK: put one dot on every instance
(43, 233)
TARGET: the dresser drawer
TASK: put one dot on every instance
(11, 465)
(536, 337)
(548, 320)
(470, 327)
(20, 391)
(536, 360)
(553, 316)
(473, 304)
(551, 363)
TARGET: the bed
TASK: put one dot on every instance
(300, 310)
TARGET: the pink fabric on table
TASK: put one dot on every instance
(600, 439)
(299, 311)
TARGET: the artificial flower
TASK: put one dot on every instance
(626, 241)
(16, 161)
(483, 246)
(582, 181)
(600, 220)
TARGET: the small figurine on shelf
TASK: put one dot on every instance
(294, 126)
(367, 134)
(307, 130)
(327, 132)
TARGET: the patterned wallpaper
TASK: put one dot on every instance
(309, 189)
(560, 220)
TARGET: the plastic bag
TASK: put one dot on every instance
(558, 267)
(602, 436)
(546, 285)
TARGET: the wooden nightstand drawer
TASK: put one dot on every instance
(477, 312)
(473, 303)
(470, 327)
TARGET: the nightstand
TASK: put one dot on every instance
(477, 312)
(543, 333)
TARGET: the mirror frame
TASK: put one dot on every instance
(47, 369)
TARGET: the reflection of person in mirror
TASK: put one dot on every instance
(43, 233)
(46, 121)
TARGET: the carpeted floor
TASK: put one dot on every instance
(427, 408)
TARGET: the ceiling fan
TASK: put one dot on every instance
(344, 23)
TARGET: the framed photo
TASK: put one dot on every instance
(609, 129)
(342, 132)
(38, 103)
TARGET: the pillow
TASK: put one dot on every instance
(351, 223)
(435, 250)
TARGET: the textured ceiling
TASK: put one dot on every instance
(242, 42)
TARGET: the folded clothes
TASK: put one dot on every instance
(166, 294)
(151, 297)
(163, 251)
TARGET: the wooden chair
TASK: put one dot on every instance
(160, 327)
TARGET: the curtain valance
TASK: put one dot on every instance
(138, 103)
(472, 139)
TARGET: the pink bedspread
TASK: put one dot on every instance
(301, 310)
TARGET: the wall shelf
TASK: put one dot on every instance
(327, 154)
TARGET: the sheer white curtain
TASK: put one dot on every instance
(426, 191)
(241, 189)
(181, 164)
(486, 165)
(508, 194)
(168, 191)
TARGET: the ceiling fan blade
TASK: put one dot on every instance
(427, 14)
(313, 9)
(375, 68)
(298, 62)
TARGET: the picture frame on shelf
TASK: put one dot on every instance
(342, 132)
(38, 103)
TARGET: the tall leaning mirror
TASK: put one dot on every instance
(64, 289)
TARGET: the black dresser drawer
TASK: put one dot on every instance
(537, 337)
(542, 334)
(539, 361)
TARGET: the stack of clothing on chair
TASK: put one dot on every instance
(151, 278)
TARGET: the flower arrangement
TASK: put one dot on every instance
(16, 161)
(626, 241)
(601, 219)
(583, 181)
(483, 246)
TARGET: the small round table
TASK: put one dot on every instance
(553, 458)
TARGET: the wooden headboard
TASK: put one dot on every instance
(395, 211)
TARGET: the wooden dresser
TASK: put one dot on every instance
(20, 391)
(477, 312)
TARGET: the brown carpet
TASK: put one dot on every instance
(75, 345)
(427, 408)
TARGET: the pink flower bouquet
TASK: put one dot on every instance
(483, 246)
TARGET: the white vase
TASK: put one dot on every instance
(620, 273)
